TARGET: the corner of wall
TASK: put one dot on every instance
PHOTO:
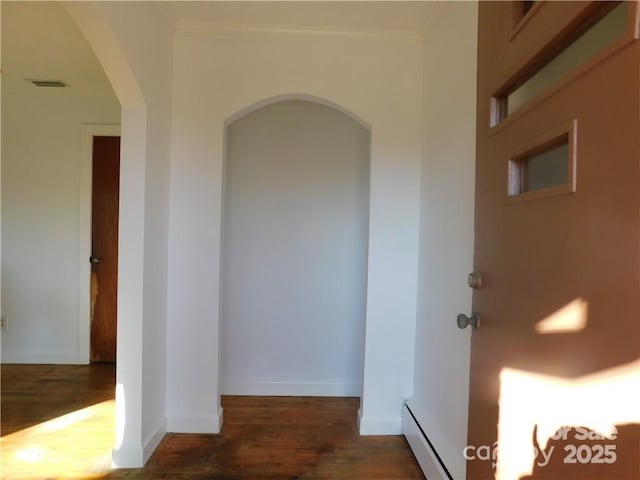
(368, 425)
(195, 424)
(130, 458)
(153, 439)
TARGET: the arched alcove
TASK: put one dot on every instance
(294, 249)
(217, 78)
(304, 97)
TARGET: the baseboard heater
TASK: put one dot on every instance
(432, 465)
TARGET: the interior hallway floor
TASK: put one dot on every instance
(57, 421)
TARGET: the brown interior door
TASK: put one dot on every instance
(104, 257)
(555, 371)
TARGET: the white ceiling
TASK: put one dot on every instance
(342, 15)
(40, 40)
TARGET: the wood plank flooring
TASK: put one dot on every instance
(57, 422)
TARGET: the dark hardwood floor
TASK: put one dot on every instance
(57, 422)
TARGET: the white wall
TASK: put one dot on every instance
(147, 39)
(42, 228)
(221, 72)
(441, 394)
(296, 212)
(133, 41)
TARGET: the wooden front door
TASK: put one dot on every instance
(555, 371)
(104, 257)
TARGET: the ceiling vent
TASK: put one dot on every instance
(48, 83)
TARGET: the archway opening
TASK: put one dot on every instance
(58, 101)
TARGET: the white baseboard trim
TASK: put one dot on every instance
(127, 458)
(427, 457)
(379, 426)
(202, 424)
(451, 455)
(154, 438)
(292, 389)
(138, 456)
(74, 358)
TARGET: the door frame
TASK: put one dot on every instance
(84, 241)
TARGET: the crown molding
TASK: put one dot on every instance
(169, 15)
(204, 28)
(434, 15)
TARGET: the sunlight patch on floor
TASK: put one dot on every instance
(73, 446)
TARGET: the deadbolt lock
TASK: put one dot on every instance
(475, 280)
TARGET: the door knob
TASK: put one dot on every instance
(464, 321)
(94, 260)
